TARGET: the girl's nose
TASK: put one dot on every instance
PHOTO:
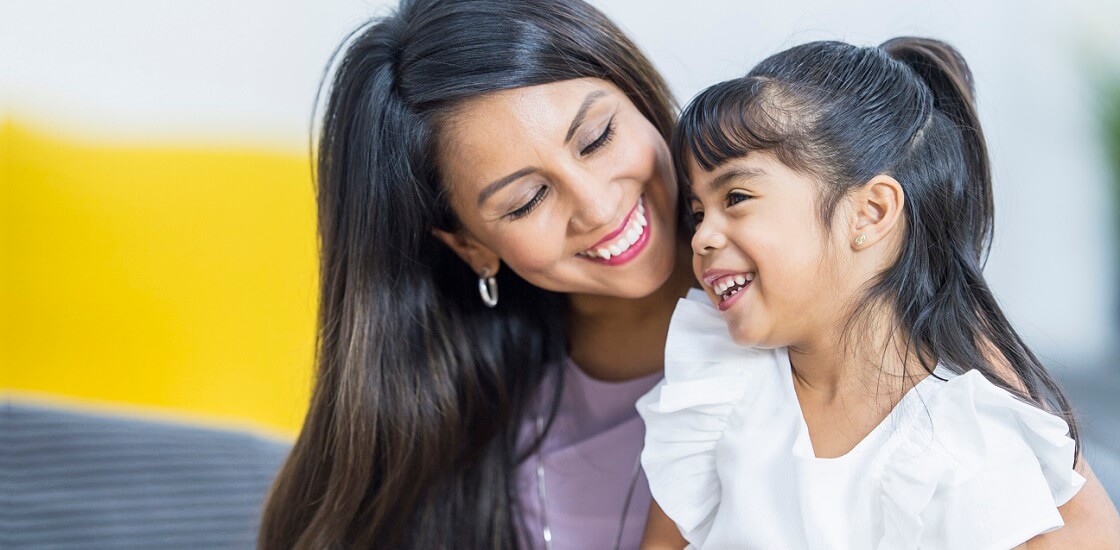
(708, 238)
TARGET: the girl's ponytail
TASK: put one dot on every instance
(944, 71)
(988, 341)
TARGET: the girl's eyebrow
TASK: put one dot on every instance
(734, 174)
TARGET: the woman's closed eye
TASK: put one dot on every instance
(528, 207)
(600, 141)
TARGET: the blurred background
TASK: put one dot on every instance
(157, 231)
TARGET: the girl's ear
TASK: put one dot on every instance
(470, 250)
(878, 209)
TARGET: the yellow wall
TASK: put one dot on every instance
(180, 279)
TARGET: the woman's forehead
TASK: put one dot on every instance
(504, 131)
(530, 109)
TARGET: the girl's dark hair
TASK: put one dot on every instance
(844, 114)
(410, 440)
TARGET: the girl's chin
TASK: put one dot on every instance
(745, 334)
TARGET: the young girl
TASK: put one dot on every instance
(843, 208)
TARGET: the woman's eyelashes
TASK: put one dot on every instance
(529, 206)
(603, 139)
(600, 141)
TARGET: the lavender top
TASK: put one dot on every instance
(589, 457)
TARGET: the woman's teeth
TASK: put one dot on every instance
(630, 235)
(730, 285)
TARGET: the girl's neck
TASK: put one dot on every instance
(618, 339)
(869, 360)
(845, 387)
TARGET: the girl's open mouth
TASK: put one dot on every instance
(730, 287)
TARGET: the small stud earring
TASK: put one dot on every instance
(861, 239)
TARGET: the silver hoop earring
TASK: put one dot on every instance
(488, 288)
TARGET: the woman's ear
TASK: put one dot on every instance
(877, 210)
(470, 250)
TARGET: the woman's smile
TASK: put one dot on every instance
(624, 243)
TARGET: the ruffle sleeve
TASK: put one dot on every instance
(706, 376)
(988, 472)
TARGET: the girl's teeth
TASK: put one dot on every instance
(732, 284)
(604, 253)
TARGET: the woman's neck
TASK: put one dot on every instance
(618, 339)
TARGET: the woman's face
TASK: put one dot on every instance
(567, 184)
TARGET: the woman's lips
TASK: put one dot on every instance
(638, 206)
(624, 243)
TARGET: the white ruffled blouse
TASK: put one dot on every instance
(957, 464)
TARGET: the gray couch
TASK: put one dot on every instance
(74, 480)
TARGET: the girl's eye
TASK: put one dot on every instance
(529, 206)
(736, 197)
(602, 140)
(696, 217)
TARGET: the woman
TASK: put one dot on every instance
(496, 207)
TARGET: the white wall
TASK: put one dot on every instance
(247, 72)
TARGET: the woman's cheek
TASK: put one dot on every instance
(531, 252)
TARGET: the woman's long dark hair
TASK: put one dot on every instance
(845, 114)
(410, 440)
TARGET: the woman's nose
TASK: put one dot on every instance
(596, 203)
(707, 238)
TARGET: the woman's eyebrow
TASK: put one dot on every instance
(499, 184)
(587, 101)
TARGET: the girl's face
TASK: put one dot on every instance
(762, 255)
(567, 184)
